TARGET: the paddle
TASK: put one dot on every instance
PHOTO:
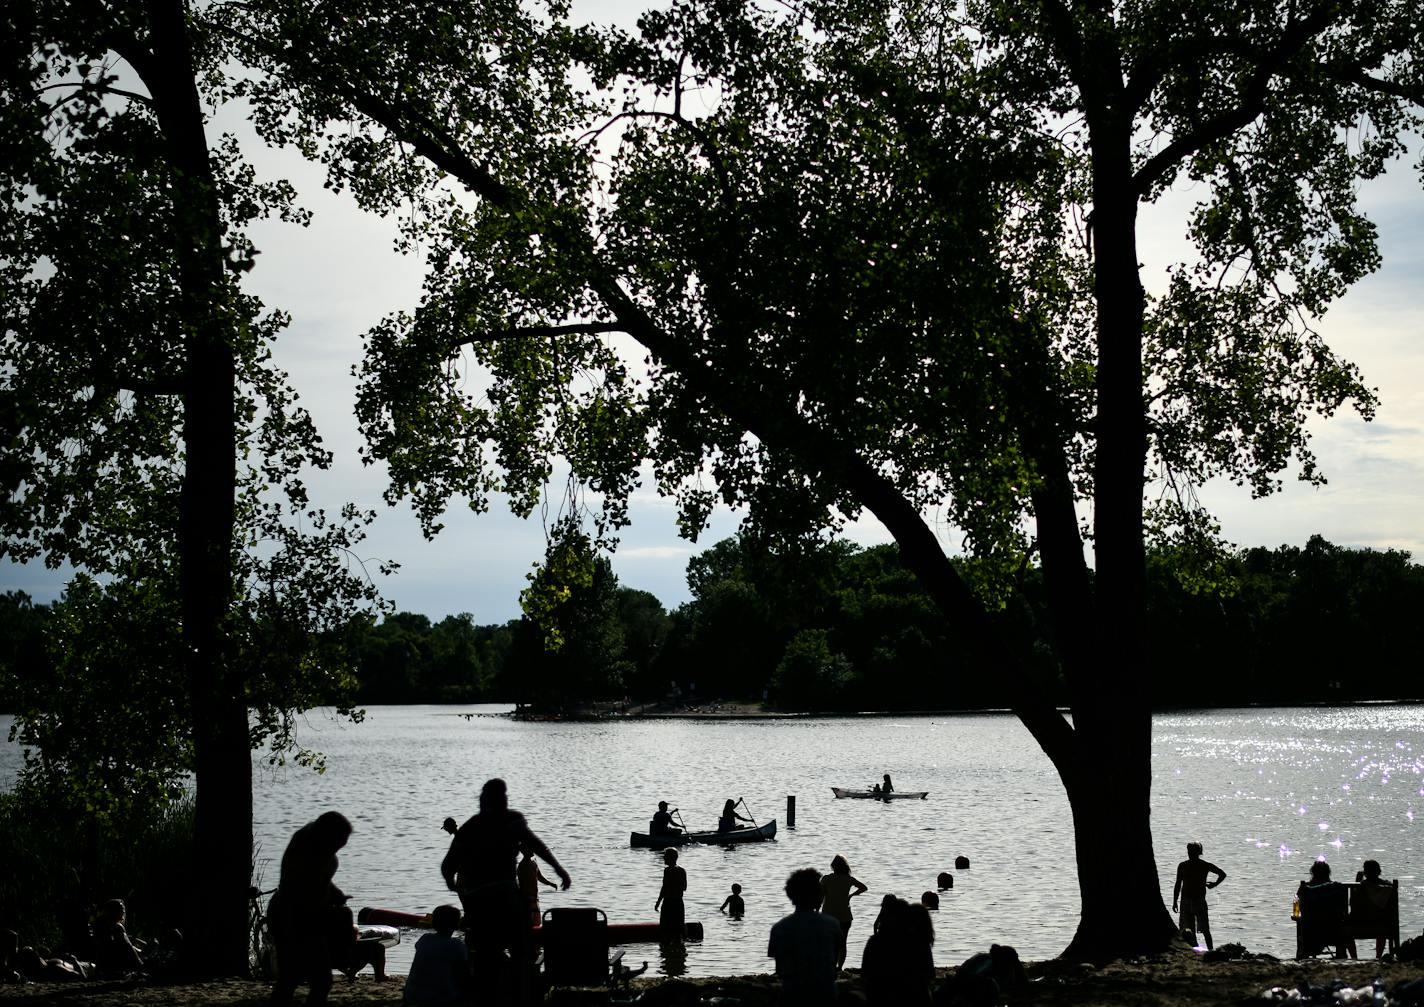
(743, 802)
(678, 813)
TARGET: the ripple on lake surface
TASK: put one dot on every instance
(1266, 792)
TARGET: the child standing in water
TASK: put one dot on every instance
(672, 917)
(530, 879)
(733, 905)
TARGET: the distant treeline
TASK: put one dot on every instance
(847, 628)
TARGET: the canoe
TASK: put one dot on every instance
(918, 795)
(756, 835)
(618, 933)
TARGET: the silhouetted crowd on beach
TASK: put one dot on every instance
(492, 867)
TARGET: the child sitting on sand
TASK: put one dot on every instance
(733, 905)
(439, 975)
(114, 953)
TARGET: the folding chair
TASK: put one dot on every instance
(576, 950)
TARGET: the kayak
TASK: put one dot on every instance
(657, 842)
(918, 795)
(618, 933)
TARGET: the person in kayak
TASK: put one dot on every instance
(730, 818)
(662, 821)
(482, 860)
(888, 787)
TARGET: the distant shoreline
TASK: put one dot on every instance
(755, 711)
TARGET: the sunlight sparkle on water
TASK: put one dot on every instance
(1322, 826)
(1337, 842)
(1302, 807)
(1285, 851)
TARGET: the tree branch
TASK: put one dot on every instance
(1064, 34)
(776, 423)
(1251, 103)
(545, 331)
(1357, 76)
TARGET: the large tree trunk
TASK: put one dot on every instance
(1109, 783)
(1108, 772)
(223, 840)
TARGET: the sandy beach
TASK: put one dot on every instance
(1179, 979)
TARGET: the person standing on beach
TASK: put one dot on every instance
(480, 868)
(804, 945)
(308, 913)
(837, 889)
(1191, 888)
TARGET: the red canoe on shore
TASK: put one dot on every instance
(618, 933)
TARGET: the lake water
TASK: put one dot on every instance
(1266, 791)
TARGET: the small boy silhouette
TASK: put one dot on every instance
(733, 905)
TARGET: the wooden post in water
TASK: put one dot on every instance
(791, 811)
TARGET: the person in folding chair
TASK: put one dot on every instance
(1371, 905)
(1322, 914)
(480, 868)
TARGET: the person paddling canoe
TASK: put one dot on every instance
(662, 821)
(730, 818)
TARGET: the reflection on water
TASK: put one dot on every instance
(1265, 791)
(673, 955)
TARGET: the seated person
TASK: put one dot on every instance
(986, 979)
(1322, 913)
(805, 944)
(662, 821)
(9, 949)
(897, 966)
(440, 973)
(36, 965)
(114, 953)
(730, 818)
(1370, 905)
(360, 953)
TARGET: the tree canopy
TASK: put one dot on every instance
(881, 256)
(148, 439)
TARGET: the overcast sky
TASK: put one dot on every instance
(339, 276)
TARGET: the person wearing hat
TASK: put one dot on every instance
(662, 821)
